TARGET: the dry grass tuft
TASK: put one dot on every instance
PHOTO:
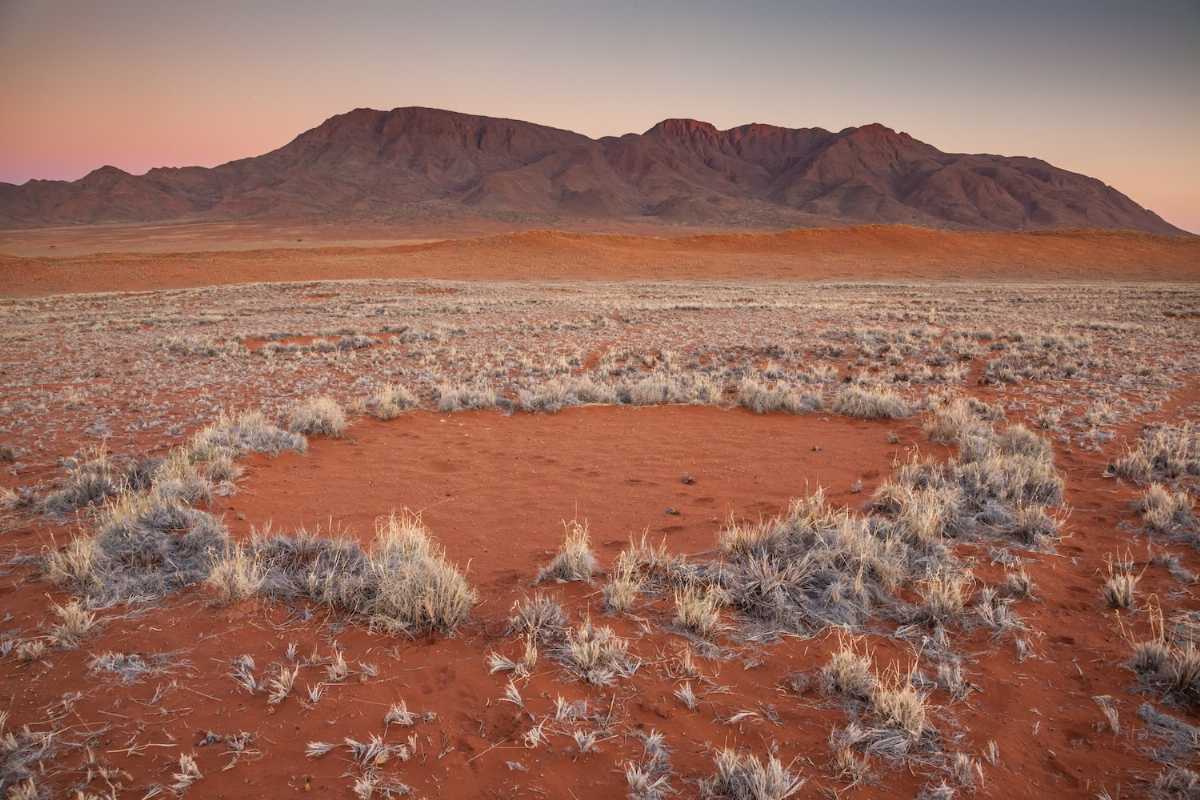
(596, 654)
(1169, 452)
(317, 416)
(1120, 588)
(849, 670)
(622, 589)
(741, 776)
(574, 561)
(1167, 511)
(390, 401)
(237, 576)
(698, 610)
(898, 704)
(870, 403)
(402, 584)
(74, 623)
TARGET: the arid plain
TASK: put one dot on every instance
(861, 512)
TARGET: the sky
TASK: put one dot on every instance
(1109, 89)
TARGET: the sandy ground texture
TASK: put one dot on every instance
(100, 259)
(852, 539)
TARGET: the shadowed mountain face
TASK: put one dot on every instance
(412, 163)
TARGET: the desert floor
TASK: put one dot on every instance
(856, 508)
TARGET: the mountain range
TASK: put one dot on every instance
(422, 163)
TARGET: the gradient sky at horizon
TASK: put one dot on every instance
(1109, 89)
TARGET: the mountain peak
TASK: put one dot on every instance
(683, 128)
(413, 161)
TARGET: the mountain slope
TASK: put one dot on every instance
(425, 162)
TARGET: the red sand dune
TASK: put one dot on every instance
(857, 253)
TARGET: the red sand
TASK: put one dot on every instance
(858, 253)
(493, 490)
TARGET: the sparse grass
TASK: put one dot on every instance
(944, 596)
(248, 432)
(574, 561)
(596, 654)
(741, 776)
(870, 403)
(402, 584)
(1165, 453)
(237, 576)
(898, 704)
(850, 671)
(465, 397)
(317, 416)
(1167, 511)
(390, 401)
(539, 619)
(698, 610)
(74, 623)
(1171, 667)
(1120, 588)
(623, 587)
(92, 477)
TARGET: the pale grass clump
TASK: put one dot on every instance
(847, 764)
(870, 403)
(742, 776)
(1168, 511)
(317, 416)
(849, 670)
(280, 686)
(954, 422)
(390, 401)
(574, 561)
(596, 654)
(465, 397)
(944, 595)
(247, 432)
(416, 588)
(74, 623)
(559, 393)
(924, 514)
(401, 584)
(651, 778)
(189, 773)
(626, 583)
(814, 567)
(762, 398)
(498, 662)
(538, 618)
(92, 477)
(1172, 667)
(237, 576)
(1169, 452)
(30, 650)
(75, 564)
(898, 704)
(698, 610)
(1120, 588)
(661, 387)
(177, 478)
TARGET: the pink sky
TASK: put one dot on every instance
(1099, 88)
